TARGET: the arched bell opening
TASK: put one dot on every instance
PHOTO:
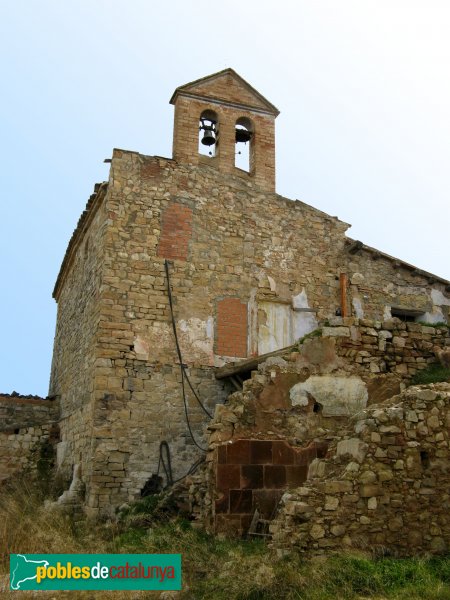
(244, 133)
(208, 133)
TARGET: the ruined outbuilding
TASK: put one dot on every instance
(330, 449)
(182, 266)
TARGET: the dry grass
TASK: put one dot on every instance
(213, 569)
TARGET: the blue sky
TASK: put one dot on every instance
(364, 132)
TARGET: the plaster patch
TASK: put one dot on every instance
(298, 396)
(435, 316)
(210, 327)
(357, 306)
(273, 287)
(300, 300)
(303, 322)
(274, 326)
(339, 396)
(61, 453)
(141, 346)
(439, 299)
(253, 323)
(159, 336)
(196, 339)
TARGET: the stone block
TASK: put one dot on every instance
(335, 332)
(331, 503)
(338, 487)
(368, 490)
(353, 447)
(317, 532)
(337, 530)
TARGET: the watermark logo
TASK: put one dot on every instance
(95, 572)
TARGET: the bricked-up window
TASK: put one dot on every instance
(231, 328)
(176, 230)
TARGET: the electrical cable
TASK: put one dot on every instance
(167, 467)
(169, 292)
(182, 366)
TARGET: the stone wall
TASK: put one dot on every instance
(378, 282)
(250, 272)
(383, 486)
(306, 396)
(387, 346)
(76, 356)
(115, 360)
(137, 389)
(18, 412)
(27, 422)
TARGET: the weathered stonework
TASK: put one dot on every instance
(306, 400)
(249, 272)
(26, 423)
(383, 486)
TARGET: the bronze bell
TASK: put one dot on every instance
(209, 137)
(243, 135)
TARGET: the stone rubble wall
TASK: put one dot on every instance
(377, 283)
(137, 387)
(384, 485)
(306, 397)
(26, 423)
(115, 366)
(19, 412)
(20, 452)
(129, 426)
(75, 350)
(387, 346)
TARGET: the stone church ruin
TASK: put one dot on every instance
(205, 318)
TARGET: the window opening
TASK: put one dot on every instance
(406, 315)
(243, 137)
(317, 407)
(208, 133)
(425, 458)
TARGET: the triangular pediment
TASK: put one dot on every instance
(229, 88)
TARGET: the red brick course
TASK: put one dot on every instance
(176, 231)
(231, 328)
(252, 474)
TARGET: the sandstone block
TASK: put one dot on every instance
(331, 503)
(335, 332)
(353, 447)
(337, 530)
(372, 503)
(338, 487)
(368, 490)
(317, 532)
